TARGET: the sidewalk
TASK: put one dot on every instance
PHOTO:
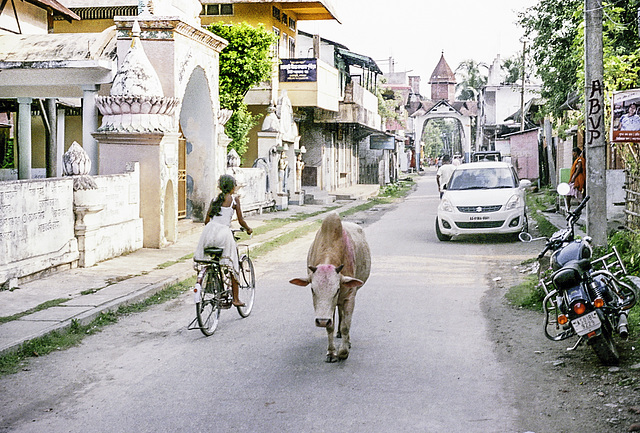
(131, 278)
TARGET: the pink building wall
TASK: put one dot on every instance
(524, 154)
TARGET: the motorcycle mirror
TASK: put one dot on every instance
(525, 237)
(563, 188)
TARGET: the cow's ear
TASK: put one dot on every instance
(300, 281)
(351, 283)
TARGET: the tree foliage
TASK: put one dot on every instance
(556, 30)
(472, 80)
(553, 28)
(245, 62)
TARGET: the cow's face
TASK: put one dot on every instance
(325, 282)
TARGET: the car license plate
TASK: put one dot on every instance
(478, 218)
(587, 323)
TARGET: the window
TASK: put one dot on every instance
(284, 50)
(276, 13)
(217, 9)
(285, 19)
(292, 24)
(292, 48)
(276, 46)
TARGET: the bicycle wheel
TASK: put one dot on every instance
(208, 309)
(247, 286)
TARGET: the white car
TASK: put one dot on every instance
(482, 197)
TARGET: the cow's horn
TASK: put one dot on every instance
(339, 268)
(313, 268)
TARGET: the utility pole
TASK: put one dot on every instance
(524, 50)
(595, 151)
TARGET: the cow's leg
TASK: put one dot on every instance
(331, 349)
(339, 328)
(345, 325)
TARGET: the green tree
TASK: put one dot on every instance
(472, 80)
(440, 137)
(245, 62)
(556, 30)
(553, 28)
(512, 67)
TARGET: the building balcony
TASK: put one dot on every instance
(359, 106)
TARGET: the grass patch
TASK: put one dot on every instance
(74, 334)
(538, 202)
(285, 239)
(528, 294)
(173, 262)
(43, 306)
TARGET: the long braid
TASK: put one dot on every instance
(226, 183)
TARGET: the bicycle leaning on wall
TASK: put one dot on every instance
(212, 291)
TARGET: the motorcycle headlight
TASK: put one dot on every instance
(513, 202)
(446, 205)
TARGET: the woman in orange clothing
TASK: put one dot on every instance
(576, 177)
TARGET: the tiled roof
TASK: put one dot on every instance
(442, 73)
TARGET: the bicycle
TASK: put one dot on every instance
(212, 291)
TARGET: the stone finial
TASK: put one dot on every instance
(76, 161)
(136, 102)
(271, 122)
(233, 159)
(224, 115)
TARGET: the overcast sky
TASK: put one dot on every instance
(416, 32)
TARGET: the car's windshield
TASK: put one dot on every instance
(482, 178)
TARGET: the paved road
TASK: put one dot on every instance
(421, 359)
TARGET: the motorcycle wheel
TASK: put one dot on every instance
(605, 348)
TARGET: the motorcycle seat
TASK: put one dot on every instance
(571, 273)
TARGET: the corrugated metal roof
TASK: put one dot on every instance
(56, 8)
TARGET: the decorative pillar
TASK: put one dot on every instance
(24, 138)
(138, 124)
(52, 139)
(60, 139)
(90, 124)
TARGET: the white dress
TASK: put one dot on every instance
(217, 233)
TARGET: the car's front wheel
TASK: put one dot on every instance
(441, 236)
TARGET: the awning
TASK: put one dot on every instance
(55, 8)
(355, 59)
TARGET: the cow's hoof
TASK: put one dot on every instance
(331, 358)
(339, 334)
(343, 354)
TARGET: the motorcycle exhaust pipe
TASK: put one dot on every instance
(623, 328)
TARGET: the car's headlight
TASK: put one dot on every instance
(514, 202)
(446, 205)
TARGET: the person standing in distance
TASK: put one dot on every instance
(444, 173)
(576, 177)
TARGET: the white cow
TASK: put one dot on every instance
(339, 263)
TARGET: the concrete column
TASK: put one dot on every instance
(595, 151)
(60, 133)
(90, 125)
(24, 138)
(52, 139)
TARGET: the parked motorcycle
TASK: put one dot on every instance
(585, 297)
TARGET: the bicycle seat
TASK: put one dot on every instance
(214, 252)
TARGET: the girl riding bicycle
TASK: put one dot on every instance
(217, 230)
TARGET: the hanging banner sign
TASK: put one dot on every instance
(625, 111)
(382, 142)
(298, 70)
